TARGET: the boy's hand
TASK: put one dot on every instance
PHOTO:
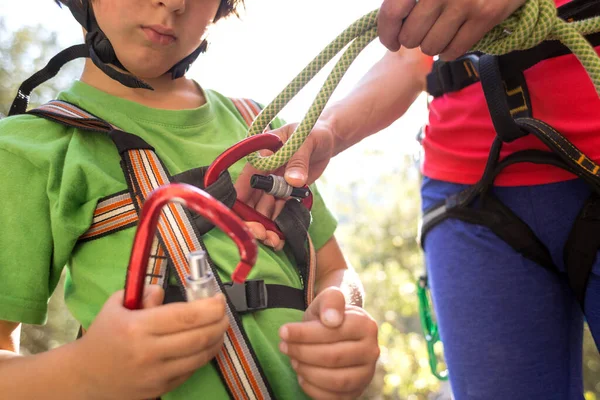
(334, 350)
(145, 353)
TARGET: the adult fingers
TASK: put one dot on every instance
(389, 21)
(442, 32)
(469, 34)
(420, 20)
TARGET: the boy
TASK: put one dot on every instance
(160, 350)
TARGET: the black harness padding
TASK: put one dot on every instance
(294, 221)
(222, 189)
(21, 101)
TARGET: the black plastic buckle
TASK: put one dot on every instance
(445, 78)
(247, 297)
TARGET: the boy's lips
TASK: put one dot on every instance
(159, 34)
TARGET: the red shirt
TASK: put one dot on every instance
(460, 131)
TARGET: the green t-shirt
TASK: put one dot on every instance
(52, 177)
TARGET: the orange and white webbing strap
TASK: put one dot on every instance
(236, 361)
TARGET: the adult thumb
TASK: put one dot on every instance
(328, 307)
(153, 296)
(296, 170)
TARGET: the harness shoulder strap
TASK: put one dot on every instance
(177, 236)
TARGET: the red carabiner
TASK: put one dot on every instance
(264, 141)
(200, 202)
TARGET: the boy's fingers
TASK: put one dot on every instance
(185, 365)
(181, 316)
(314, 332)
(190, 342)
(258, 230)
(316, 393)
(337, 381)
(266, 205)
(332, 355)
(357, 325)
(153, 296)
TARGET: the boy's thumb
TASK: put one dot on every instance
(329, 307)
(153, 296)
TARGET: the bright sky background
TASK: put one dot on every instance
(258, 55)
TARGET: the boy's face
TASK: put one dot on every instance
(150, 36)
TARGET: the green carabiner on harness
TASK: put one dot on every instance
(430, 328)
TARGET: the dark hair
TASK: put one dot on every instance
(226, 8)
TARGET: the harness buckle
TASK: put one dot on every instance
(249, 296)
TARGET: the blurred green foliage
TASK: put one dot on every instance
(23, 52)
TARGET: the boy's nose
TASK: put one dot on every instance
(176, 6)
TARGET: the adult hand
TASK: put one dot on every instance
(334, 350)
(305, 166)
(141, 354)
(445, 27)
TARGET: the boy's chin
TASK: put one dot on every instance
(150, 73)
(150, 70)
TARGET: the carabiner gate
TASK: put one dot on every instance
(430, 328)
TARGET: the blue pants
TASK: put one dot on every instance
(511, 329)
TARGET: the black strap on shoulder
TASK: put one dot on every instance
(582, 247)
(222, 189)
(21, 101)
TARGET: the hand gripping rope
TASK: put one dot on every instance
(533, 23)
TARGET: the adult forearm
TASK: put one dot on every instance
(49, 375)
(382, 96)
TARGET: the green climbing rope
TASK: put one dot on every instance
(530, 25)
